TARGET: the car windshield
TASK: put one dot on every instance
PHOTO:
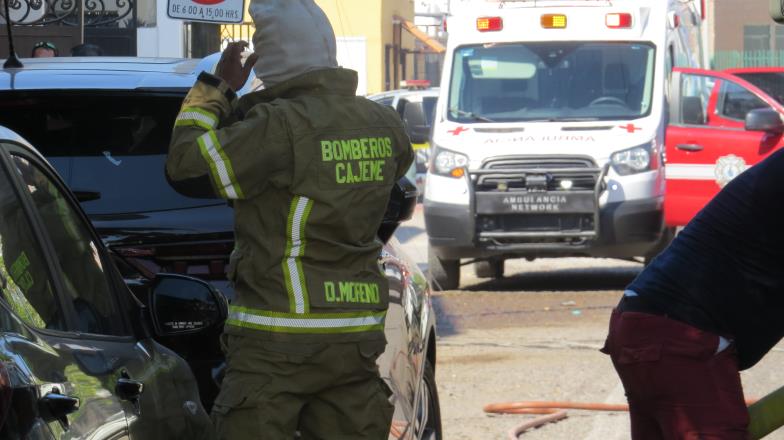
(551, 82)
(109, 147)
(772, 83)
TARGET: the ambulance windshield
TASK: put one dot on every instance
(551, 81)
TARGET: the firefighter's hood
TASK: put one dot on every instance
(292, 37)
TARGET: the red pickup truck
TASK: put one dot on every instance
(721, 123)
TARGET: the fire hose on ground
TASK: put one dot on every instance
(767, 414)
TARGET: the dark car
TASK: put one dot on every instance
(105, 125)
(77, 354)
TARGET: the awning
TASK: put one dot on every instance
(430, 42)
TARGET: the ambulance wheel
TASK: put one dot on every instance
(444, 274)
(492, 268)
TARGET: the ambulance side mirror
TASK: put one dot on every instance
(764, 119)
(401, 206)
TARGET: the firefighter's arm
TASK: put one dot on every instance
(214, 154)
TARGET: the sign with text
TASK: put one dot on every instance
(208, 11)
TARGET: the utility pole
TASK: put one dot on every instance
(81, 21)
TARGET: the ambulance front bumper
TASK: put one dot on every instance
(624, 229)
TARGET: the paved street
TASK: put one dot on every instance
(535, 335)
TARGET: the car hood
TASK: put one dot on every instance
(214, 222)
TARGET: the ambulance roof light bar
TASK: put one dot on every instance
(618, 20)
(414, 84)
(550, 3)
(489, 24)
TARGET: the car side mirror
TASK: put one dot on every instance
(419, 134)
(416, 123)
(764, 119)
(401, 206)
(184, 305)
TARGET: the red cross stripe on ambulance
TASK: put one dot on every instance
(630, 128)
(458, 130)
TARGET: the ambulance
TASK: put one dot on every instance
(549, 133)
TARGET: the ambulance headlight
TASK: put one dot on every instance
(448, 163)
(634, 160)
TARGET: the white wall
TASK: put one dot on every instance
(167, 39)
(352, 54)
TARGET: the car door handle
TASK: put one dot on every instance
(129, 389)
(57, 406)
(690, 147)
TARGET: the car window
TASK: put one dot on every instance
(85, 279)
(386, 101)
(402, 103)
(111, 146)
(771, 83)
(429, 104)
(695, 96)
(25, 281)
(736, 101)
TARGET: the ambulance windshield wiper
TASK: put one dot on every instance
(471, 115)
(586, 119)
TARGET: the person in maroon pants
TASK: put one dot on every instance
(710, 305)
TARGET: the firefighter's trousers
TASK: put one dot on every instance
(323, 391)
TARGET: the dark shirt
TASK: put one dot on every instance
(724, 273)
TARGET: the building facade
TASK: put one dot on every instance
(371, 39)
(743, 25)
(371, 34)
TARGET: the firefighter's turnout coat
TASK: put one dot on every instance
(309, 167)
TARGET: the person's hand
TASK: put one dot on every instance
(230, 67)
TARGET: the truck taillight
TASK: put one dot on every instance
(675, 20)
(618, 21)
(489, 24)
(553, 21)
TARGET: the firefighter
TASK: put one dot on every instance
(710, 305)
(309, 168)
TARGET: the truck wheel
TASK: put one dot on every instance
(492, 268)
(444, 274)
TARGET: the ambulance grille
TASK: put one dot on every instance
(509, 174)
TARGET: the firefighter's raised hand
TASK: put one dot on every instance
(230, 67)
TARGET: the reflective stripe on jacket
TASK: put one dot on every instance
(309, 167)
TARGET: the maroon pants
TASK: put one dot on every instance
(677, 386)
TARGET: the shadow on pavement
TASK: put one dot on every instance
(578, 279)
(405, 234)
(446, 323)
(454, 311)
